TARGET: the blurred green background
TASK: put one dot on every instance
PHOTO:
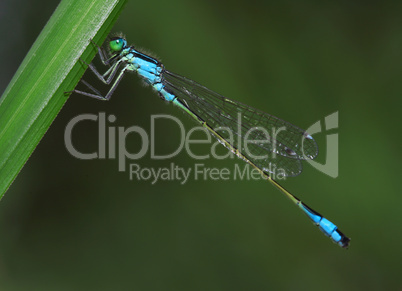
(74, 224)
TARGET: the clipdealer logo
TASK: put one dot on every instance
(112, 145)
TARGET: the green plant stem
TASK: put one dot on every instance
(35, 95)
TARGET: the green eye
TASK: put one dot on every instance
(117, 44)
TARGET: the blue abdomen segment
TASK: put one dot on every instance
(167, 96)
(326, 226)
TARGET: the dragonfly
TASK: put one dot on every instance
(225, 119)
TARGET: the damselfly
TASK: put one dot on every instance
(224, 119)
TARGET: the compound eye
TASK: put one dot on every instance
(117, 44)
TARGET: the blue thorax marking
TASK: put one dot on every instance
(148, 68)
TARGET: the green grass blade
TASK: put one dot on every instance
(35, 95)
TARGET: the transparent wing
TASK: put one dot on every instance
(269, 142)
